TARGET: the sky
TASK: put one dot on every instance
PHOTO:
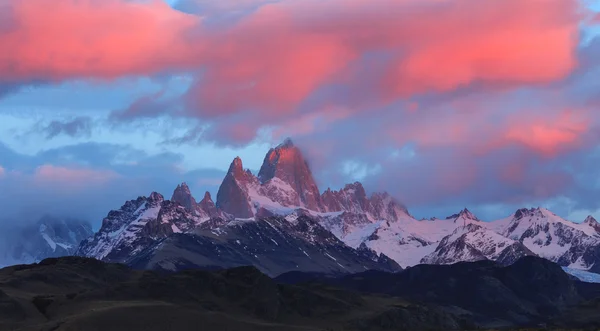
(492, 105)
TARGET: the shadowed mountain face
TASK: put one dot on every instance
(274, 245)
(84, 294)
(48, 237)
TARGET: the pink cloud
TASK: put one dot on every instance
(57, 40)
(549, 134)
(480, 128)
(277, 57)
(2, 172)
(273, 59)
(72, 178)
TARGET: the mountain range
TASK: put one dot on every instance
(279, 221)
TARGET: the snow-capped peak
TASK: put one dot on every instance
(464, 216)
(183, 196)
(590, 220)
(593, 223)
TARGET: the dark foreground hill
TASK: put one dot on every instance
(84, 294)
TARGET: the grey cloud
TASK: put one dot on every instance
(76, 127)
(25, 199)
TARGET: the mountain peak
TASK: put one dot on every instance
(183, 196)
(354, 186)
(236, 165)
(287, 163)
(465, 214)
(156, 198)
(208, 206)
(287, 143)
(591, 221)
(232, 197)
(539, 211)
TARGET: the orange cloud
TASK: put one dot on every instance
(62, 39)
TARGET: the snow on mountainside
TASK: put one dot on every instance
(400, 236)
(552, 237)
(474, 242)
(137, 224)
(49, 237)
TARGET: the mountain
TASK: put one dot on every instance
(154, 233)
(48, 237)
(274, 245)
(286, 164)
(138, 224)
(550, 236)
(399, 235)
(472, 243)
(151, 232)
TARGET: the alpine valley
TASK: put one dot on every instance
(279, 221)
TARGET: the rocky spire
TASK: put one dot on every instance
(287, 163)
(351, 198)
(208, 206)
(232, 197)
(183, 196)
(155, 198)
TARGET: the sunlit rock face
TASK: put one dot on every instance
(232, 197)
(286, 163)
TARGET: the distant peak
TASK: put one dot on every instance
(207, 196)
(539, 211)
(287, 143)
(590, 220)
(183, 186)
(465, 213)
(354, 186)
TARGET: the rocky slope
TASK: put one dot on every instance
(274, 245)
